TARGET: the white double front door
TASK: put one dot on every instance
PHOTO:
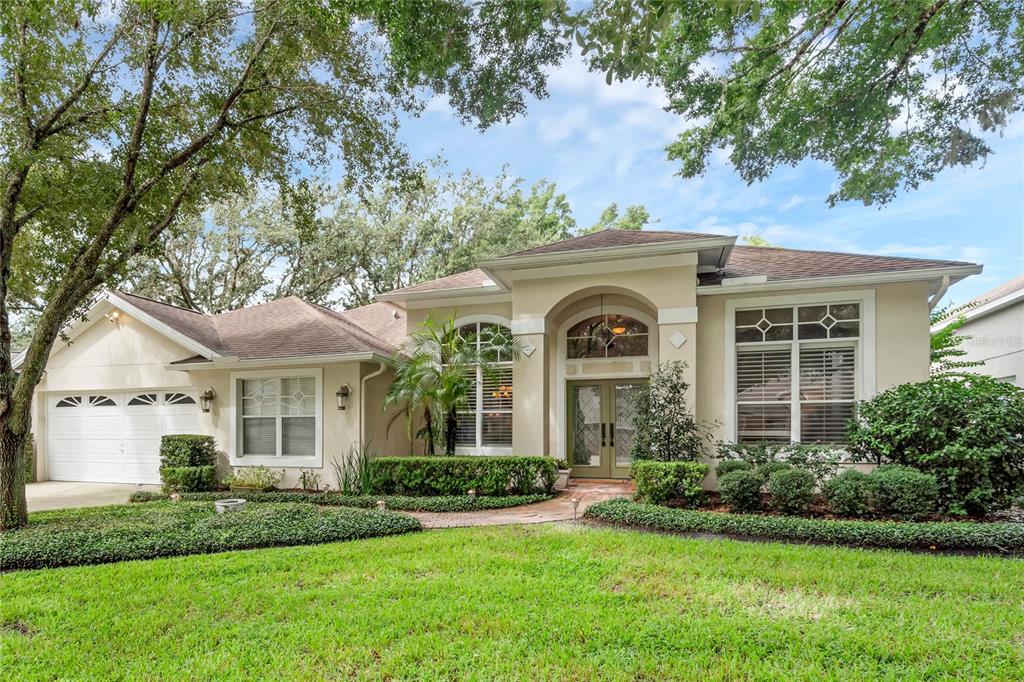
(114, 437)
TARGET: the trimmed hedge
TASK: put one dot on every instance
(851, 493)
(489, 476)
(660, 482)
(903, 492)
(187, 462)
(741, 490)
(1004, 538)
(730, 465)
(124, 532)
(188, 479)
(461, 503)
(792, 491)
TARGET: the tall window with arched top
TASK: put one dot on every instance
(607, 336)
(486, 422)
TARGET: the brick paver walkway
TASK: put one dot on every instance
(556, 509)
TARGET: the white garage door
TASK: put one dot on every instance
(114, 437)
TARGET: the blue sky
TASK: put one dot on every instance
(604, 143)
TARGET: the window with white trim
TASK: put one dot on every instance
(277, 416)
(796, 372)
(486, 422)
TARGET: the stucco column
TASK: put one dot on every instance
(677, 340)
(530, 389)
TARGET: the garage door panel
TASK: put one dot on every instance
(119, 443)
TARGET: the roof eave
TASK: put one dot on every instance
(605, 252)
(984, 309)
(955, 274)
(232, 362)
(399, 297)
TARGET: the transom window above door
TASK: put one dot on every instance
(607, 336)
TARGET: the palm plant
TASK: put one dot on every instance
(436, 374)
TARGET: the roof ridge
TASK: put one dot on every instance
(121, 292)
(337, 317)
(849, 253)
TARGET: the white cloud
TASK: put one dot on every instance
(792, 202)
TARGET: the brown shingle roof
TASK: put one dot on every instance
(606, 239)
(460, 280)
(1004, 289)
(384, 320)
(786, 264)
(287, 327)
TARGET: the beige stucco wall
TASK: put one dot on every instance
(900, 349)
(133, 356)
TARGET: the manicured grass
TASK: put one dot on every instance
(535, 602)
(436, 503)
(70, 537)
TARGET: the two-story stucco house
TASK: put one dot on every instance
(779, 345)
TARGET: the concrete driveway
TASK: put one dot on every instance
(64, 494)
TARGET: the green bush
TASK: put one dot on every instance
(119, 533)
(983, 537)
(765, 471)
(730, 465)
(426, 476)
(256, 478)
(792, 491)
(187, 462)
(851, 493)
(188, 479)
(662, 482)
(741, 490)
(904, 493)
(187, 450)
(666, 430)
(437, 503)
(965, 432)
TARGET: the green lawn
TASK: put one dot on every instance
(540, 602)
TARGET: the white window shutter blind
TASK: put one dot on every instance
(828, 388)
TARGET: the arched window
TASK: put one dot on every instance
(486, 423)
(607, 336)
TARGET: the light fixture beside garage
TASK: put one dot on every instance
(206, 399)
(342, 395)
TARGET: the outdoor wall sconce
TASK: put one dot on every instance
(206, 399)
(342, 395)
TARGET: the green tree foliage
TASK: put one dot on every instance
(888, 93)
(946, 343)
(635, 218)
(666, 429)
(436, 374)
(119, 118)
(966, 432)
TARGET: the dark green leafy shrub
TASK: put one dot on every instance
(792, 491)
(730, 465)
(851, 493)
(662, 482)
(437, 503)
(188, 479)
(765, 471)
(666, 430)
(982, 537)
(426, 476)
(741, 490)
(820, 460)
(187, 450)
(119, 533)
(904, 493)
(968, 433)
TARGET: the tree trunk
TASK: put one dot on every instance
(450, 429)
(428, 427)
(13, 509)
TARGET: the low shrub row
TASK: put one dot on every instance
(1002, 538)
(489, 476)
(438, 503)
(661, 482)
(124, 532)
(187, 462)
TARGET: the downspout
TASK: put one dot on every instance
(362, 402)
(943, 287)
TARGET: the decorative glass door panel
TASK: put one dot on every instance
(601, 427)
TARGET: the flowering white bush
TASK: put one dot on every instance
(820, 460)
